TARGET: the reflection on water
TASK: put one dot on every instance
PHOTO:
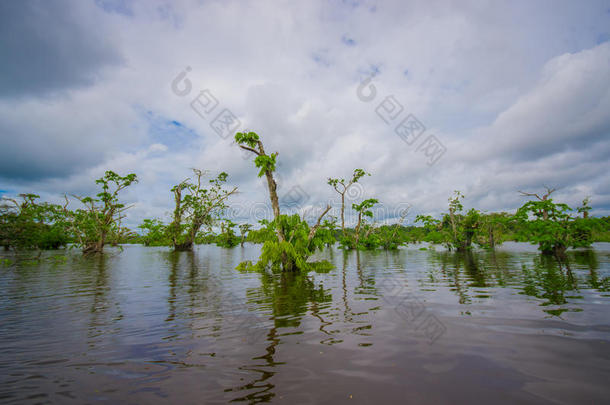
(152, 326)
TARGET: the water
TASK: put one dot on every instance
(412, 326)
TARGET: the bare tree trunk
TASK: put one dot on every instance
(314, 229)
(343, 213)
(358, 228)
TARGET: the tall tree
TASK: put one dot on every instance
(296, 240)
(266, 163)
(342, 187)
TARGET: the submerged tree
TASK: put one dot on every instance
(551, 226)
(492, 229)
(456, 230)
(463, 227)
(295, 240)
(243, 230)
(92, 225)
(227, 237)
(155, 232)
(364, 210)
(342, 187)
(196, 206)
(27, 224)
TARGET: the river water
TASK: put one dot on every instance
(146, 325)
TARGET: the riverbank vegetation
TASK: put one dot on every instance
(199, 217)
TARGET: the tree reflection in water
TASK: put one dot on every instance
(290, 295)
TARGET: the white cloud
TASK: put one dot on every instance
(518, 99)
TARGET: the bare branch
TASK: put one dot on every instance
(314, 229)
(523, 193)
(250, 149)
(549, 191)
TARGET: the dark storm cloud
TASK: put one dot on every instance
(48, 46)
(31, 156)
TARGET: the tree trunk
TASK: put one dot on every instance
(343, 213)
(94, 247)
(184, 247)
(492, 242)
(358, 228)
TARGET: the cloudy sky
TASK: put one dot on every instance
(513, 96)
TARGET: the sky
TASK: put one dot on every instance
(485, 97)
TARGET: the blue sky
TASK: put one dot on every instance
(516, 93)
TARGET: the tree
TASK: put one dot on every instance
(155, 232)
(28, 224)
(463, 227)
(585, 208)
(292, 253)
(92, 225)
(327, 231)
(341, 187)
(492, 229)
(266, 163)
(551, 226)
(227, 237)
(456, 230)
(196, 206)
(244, 229)
(363, 210)
(295, 241)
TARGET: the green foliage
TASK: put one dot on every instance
(227, 237)
(155, 233)
(364, 207)
(102, 216)
(326, 233)
(243, 230)
(250, 139)
(27, 224)
(494, 228)
(455, 230)
(362, 237)
(342, 187)
(463, 227)
(585, 207)
(335, 183)
(290, 254)
(266, 163)
(263, 234)
(551, 226)
(197, 206)
(389, 237)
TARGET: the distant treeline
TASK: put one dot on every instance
(201, 204)
(27, 223)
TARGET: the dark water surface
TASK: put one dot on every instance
(411, 326)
